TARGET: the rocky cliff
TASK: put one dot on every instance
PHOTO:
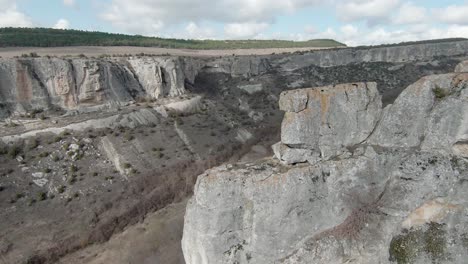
(72, 84)
(90, 146)
(28, 84)
(351, 182)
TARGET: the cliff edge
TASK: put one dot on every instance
(350, 182)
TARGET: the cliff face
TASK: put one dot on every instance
(28, 84)
(42, 83)
(350, 182)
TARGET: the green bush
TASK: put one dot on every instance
(41, 196)
(61, 189)
(439, 93)
(14, 151)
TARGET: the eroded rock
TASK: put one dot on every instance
(359, 185)
(330, 119)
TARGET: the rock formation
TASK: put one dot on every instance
(28, 84)
(350, 182)
(90, 146)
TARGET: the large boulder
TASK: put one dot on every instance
(430, 114)
(331, 119)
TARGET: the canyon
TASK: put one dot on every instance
(96, 151)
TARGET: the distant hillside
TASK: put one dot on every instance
(45, 37)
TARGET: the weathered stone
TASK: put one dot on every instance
(431, 114)
(289, 155)
(265, 213)
(462, 67)
(251, 88)
(393, 192)
(190, 106)
(335, 117)
(160, 77)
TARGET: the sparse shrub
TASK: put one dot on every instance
(65, 133)
(32, 144)
(44, 154)
(19, 196)
(61, 189)
(14, 151)
(41, 196)
(47, 170)
(73, 168)
(128, 136)
(3, 149)
(95, 174)
(31, 201)
(55, 158)
(127, 165)
(57, 138)
(439, 93)
(72, 179)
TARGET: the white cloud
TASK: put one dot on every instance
(372, 11)
(10, 16)
(453, 14)
(62, 24)
(151, 16)
(69, 3)
(244, 30)
(354, 36)
(349, 30)
(409, 13)
(193, 31)
(364, 21)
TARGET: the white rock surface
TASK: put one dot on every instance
(394, 190)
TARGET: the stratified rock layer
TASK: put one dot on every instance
(366, 185)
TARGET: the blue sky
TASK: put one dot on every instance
(354, 22)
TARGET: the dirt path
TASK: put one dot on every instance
(96, 51)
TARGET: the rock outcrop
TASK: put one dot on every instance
(72, 84)
(328, 120)
(351, 182)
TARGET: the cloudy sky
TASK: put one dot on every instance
(354, 22)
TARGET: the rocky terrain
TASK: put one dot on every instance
(94, 151)
(351, 182)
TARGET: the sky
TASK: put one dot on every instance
(354, 22)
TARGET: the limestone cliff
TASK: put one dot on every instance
(42, 83)
(351, 182)
(28, 84)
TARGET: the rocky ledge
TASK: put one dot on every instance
(351, 182)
